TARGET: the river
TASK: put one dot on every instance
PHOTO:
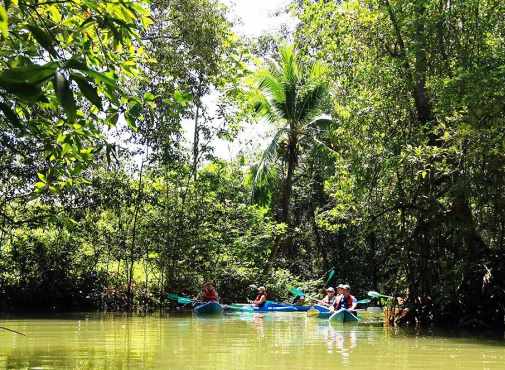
(248, 341)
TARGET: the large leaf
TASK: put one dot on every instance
(100, 77)
(29, 93)
(31, 74)
(10, 115)
(65, 95)
(42, 38)
(88, 90)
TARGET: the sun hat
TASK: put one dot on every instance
(330, 289)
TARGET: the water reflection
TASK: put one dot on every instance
(242, 341)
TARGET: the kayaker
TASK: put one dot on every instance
(261, 298)
(340, 291)
(209, 293)
(346, 300)
(329, 300)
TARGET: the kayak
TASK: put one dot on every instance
(319, 311)
(342, 316)
(302, 308)
(269, 306)
(208, 308)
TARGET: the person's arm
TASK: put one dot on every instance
(354, 304)
(324, 302)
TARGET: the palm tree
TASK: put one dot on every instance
(290, 97)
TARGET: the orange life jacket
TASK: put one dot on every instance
(258, 297)
(210, 294)
(344, 302)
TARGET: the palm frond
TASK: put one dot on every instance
(270, 86)
(318, 72)
(268, 156)
(290, 67)
(291, 77)
(263, 106)
(309, 103)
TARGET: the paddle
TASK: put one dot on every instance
(331, 275)
(298, 292)
(241, 307)
(374, 294)
(179, 299)
(364, 301)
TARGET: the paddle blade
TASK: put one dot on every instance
(364, 301)
(172, 296)
(378, 295)
(183, 300)
(374, 294)
(297, 292)
(331, 275)
(313, 312)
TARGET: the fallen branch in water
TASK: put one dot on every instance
(13, 331)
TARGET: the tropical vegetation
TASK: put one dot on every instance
(385, 158)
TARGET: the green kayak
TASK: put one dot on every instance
(342, 316)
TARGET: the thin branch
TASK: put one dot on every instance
(12, 331)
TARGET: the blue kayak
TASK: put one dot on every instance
(269, 306)
(208, 308)
(283, 307)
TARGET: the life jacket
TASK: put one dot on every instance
(330, 301)
(344, 302)
(210, 294)
(258, 297)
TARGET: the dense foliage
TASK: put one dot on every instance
(386, 160)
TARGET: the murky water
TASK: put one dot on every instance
(272, 341)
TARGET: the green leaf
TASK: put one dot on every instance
(43, 39)
(112, 119)
(88, 90)
(182, 98)
(76, 64)
(10, 115)
(61, 138)
(30, 93)
(25, 81)
(4, 24)
(100, 77)
(65, 96)
(42, 177)
(66, 148)
(148, 96)
(31, 74)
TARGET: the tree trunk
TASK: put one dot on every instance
(196, 142)
(288, 181)
(133, 243)
(282, 242)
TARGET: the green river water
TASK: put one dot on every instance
(272, 341)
